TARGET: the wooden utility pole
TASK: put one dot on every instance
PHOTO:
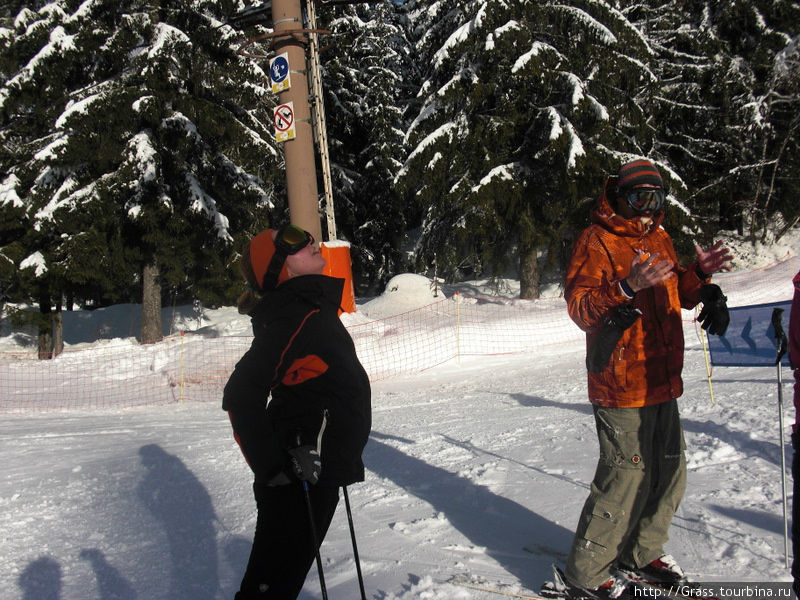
(301, 172)
(321, 133)
(295, 76)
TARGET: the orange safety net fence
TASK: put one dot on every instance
(194, 366)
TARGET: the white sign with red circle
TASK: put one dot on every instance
(283, 119)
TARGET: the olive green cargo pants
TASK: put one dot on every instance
(638, 485)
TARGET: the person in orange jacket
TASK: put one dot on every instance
(625, 288)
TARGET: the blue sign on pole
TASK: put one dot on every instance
(750, 339)
(279, 73)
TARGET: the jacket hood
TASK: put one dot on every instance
(603, 214)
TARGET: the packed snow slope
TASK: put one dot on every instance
(468, 465)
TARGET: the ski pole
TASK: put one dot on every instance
(781, 343)
(355, 547)
(708, 365)
(783, 471)
(314, 538)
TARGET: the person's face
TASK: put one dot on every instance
(307, 261)
(628, 212)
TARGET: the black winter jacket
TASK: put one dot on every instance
(303, 357)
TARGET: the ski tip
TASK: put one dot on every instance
(558, 574)
(558, 586)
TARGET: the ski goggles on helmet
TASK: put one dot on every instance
(289, 240)
(644, 199)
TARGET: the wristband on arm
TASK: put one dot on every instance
(626, 288)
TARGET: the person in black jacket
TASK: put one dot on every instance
(300, 405)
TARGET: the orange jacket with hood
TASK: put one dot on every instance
(645, 367)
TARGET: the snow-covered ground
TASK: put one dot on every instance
(468, 464)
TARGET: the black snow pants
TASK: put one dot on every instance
(283, 548)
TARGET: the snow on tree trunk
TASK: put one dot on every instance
(151, 304)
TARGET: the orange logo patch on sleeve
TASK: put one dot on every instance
(303, 369)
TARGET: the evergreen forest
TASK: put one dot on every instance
(468, 138)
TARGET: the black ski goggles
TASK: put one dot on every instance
(644, 199)
(289, 240)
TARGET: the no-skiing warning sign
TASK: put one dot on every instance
(283, 119)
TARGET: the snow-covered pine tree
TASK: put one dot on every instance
(721, 67)
(434, 135)
(758, 99)
(369, 76)
(677, 119)
(134, 137)
(524, 108)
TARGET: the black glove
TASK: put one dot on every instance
(780, 335)
(306, 463)
(714, 316)
(621, 317)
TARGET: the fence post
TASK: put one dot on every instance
(180, 376)
(458, 327)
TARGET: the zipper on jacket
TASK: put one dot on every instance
(322, 430)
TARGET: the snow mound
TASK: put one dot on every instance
(403, 293)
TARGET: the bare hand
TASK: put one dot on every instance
(646, 272)
(715, 259)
